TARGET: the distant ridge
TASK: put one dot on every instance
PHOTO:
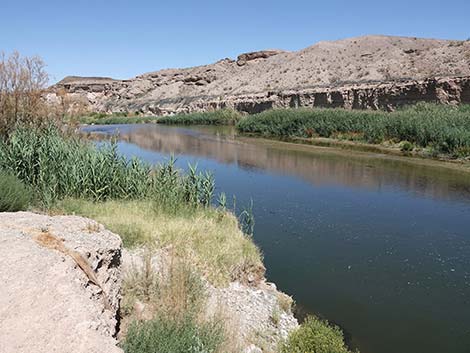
(363, 61)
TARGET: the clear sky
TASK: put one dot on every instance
(122, 39)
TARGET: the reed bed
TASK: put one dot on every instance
(219, 117)
(441, 129)
(58, 167)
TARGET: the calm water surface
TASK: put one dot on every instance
(379, 246)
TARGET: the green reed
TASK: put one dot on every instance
(58, 167)
(445, 129)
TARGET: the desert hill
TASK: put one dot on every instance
(364, 72)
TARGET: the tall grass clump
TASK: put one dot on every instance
(445, 129)
(174, 320)
(14, 195)
(58, 167)
(164, 335)
(315, 336)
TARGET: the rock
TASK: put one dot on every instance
(263, 54)
(371, 72)
(60, 284)
(258, 312)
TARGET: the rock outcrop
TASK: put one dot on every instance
(368, 72)
(60, 284)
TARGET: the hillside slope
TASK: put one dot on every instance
(348, 72)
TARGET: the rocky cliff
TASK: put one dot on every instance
(368, 72)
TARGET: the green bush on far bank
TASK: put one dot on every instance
(219, 117)
(445, 129)
(115, 118)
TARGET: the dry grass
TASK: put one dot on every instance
(162, 287)
(209, 239)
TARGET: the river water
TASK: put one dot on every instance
(378, 245)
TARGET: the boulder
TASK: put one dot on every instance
(60, 284)
(242, 59)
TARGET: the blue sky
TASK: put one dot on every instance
(122, 39)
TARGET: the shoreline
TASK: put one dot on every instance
(359, 150)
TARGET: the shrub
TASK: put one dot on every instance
(406, 146)
(14, 195)
(315, 336)
(22, 83)
(165, 334)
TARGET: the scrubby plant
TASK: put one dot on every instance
(315, 336)
(22, 82)
(14, 195)
(406, 146)
(174, 299)
(163, 335)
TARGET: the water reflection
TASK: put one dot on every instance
(315, 165)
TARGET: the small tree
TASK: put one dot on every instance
(23, 81)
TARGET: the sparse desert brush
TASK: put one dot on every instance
(173, 296)
(14, 195)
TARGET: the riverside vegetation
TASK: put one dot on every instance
(220, 117)
(426, 128)
(44, 167)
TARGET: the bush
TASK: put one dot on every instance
(14, 195)
(315, 336)
(165, 335)
(23, 80)
(406, 146)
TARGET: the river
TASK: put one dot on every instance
(378, 245)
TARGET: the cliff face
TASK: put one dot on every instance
(368, 73)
